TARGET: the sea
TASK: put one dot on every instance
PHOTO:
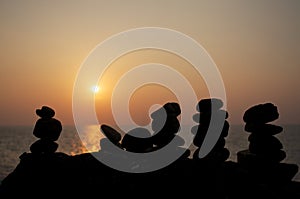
(15, 140)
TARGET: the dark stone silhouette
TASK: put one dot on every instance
(46, 173)
(48, 129)
(137, 140)
(111, 134)
(262, 158)
(206, 108)
(165, 124)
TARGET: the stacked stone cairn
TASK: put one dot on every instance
(48, 130)
(265, 151)
(165, 125)
(207, 108)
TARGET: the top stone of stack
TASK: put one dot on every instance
(261, 114)
(169, 109)
(45, 112)
(208, 105)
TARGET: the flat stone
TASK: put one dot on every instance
(264, 144)
(113, 135)
(261, 113)
(202, 129)
(207, 105)
(174, 142)
(162, 138)
(45, 112)
(205, 117)
(265, 129)
(48, 129)
(252, 160)
(43, 146)
(199, 138)
(215, 156)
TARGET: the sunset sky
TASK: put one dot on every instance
(255, 45)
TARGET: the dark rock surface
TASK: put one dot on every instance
(60, 175)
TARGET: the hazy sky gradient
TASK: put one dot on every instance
(255, 44)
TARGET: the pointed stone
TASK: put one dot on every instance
(113, 135)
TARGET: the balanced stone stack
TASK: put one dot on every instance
(211, 109)
(48, 129)
(165, 126)
(265, 151)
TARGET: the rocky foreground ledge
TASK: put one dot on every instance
(58, 174)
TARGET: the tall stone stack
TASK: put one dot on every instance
(265, 151)
(48, 130)
(207, 108)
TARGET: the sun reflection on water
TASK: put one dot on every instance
(90, 137)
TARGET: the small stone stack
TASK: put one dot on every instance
(48, 129)
(207, 108)
(265, 151)
(165, 126)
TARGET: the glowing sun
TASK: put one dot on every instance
(96, 89)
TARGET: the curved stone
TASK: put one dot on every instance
(113, 135)
(137, 140)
